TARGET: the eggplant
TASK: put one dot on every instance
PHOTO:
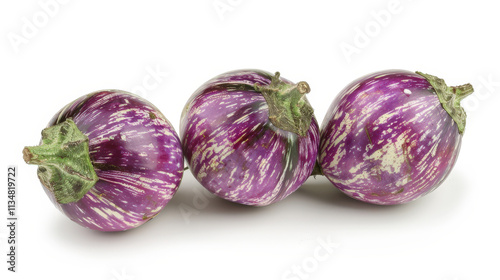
(250, 137)
(109, 160)
(393, 136)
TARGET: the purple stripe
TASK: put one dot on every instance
(386, 139)
(136, 155)
(232, 148)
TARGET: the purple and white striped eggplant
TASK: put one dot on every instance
(109, 160)
(250, 137)
(392, 136)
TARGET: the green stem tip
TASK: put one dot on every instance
(65, 167)
(289, 108)
(450, 98)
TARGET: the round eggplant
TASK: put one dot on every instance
(250, 137)
(392, 136)
(109, 160)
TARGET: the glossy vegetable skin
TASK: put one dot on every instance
(109, 160)
(392, 136)
(249, 136)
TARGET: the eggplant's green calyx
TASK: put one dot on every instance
(64, 162)
(450, 98)
(288, 105)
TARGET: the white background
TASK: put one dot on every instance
(52, 54)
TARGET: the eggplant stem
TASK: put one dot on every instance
(65, 167)
(450, 98)
(288, 106)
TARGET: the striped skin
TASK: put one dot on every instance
(387, 140)
(136, 154)
(233, 149)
